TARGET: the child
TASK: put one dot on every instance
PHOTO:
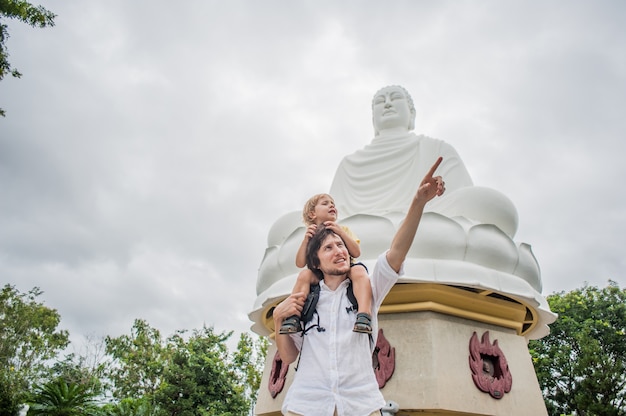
(320, 209)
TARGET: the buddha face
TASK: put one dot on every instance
(392, 109)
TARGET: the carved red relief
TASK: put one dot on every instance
(490, 370)
(278, 375)
(384, 360)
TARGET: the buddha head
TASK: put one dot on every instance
(393, 108)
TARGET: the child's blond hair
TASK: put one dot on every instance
(309, 207)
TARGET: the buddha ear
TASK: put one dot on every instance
(412, 120)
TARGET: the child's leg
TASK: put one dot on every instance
(304, 281)
(363, 293)
(362, 288)
(303, 285)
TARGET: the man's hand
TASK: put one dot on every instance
(431, 186)
(292, 305)
(287, 350)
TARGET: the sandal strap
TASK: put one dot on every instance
(364, 318)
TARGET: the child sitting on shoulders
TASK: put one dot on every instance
(320, 209)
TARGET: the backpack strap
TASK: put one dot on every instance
(355, 308)
(308, 310)
(351, 298)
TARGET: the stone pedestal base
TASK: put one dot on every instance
(265, 404)
(433, 376)
(432, 373)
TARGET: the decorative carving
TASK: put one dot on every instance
(384, 360)
(490, 370)
(277, 376)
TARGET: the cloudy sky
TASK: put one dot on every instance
(150, 145)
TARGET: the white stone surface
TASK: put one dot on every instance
(452, 251)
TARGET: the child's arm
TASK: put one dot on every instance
(301, 254)
(354, 249)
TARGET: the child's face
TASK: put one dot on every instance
(324, 210)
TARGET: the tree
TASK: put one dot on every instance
(35, 16)
(60, 398)
(29, 338)
(202, 378)
(186, 375)
(581, 365)
(139, 361)
(249, 360)
(129, 407)
(76, 369)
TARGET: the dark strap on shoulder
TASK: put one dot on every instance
(308, 310)
(351, 298)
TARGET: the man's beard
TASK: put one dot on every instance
(337, 271)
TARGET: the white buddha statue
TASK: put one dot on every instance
(465, 237)
(382, 177)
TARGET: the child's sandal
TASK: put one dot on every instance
(363, 323)
(290, 325)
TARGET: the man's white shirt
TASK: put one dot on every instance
(335, 366)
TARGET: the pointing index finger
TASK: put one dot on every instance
(432, 170)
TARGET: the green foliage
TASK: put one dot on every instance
(9, 401)
(130, 407)
(139, 359)
(201, 377)
(60, 398)
(148, 375)
(581, 365)
(28, 340)
(77, 370)
(249, 360)
(35, 16)
(187, 376)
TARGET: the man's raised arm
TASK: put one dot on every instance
(430, 187)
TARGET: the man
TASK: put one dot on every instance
(335, 375)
